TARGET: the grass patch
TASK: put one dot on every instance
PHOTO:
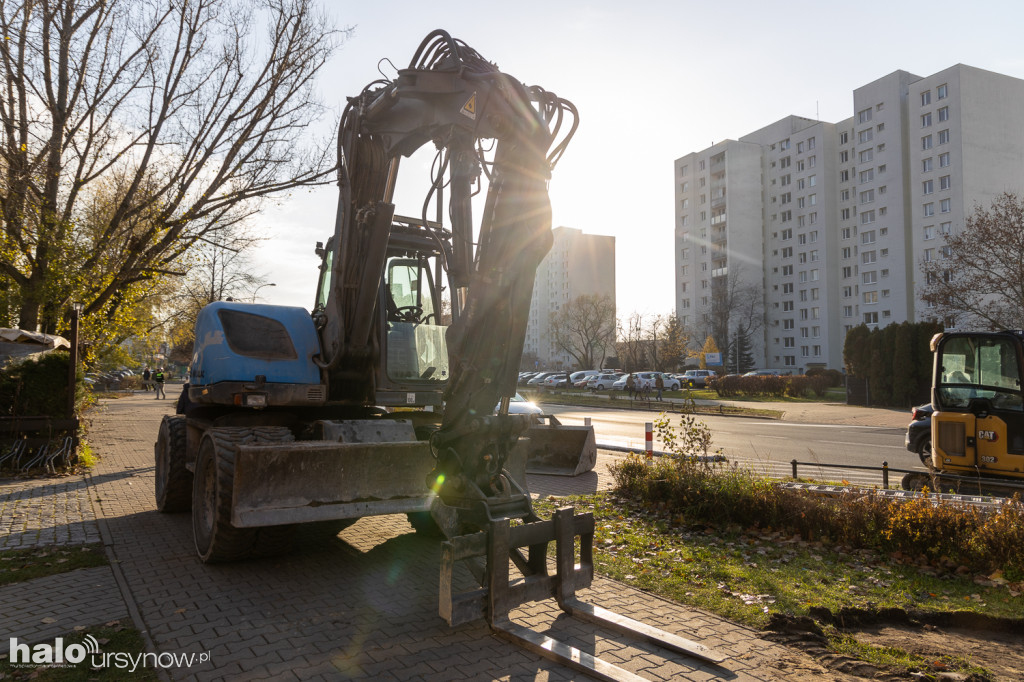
(748, 574)
(38, 562)
(112, 637)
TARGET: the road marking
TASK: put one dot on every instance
(841, 442)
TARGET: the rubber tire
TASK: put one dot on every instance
(216, 540)
(924, 451)
(173, 480)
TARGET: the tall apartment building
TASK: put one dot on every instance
(836, 219)
(577, 264)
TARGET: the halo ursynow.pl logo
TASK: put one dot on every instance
(60, 655)
(56, 653)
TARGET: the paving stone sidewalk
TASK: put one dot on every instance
(362, 605)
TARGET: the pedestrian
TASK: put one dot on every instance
(659, 383)
(146, 379)
(568, 381)
(158, 380)
(631, 385)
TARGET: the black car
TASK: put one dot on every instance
(919, 433)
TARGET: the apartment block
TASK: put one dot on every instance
(577, 264)
(833, 220)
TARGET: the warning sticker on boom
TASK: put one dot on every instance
(469, 108)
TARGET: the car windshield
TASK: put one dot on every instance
(979, 367)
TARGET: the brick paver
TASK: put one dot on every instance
(37, 512)
(361, 605)
(41, 609)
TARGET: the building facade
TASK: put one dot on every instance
(831, 221)
(577, 264)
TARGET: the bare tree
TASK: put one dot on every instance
(735, 313)
(630, 343)
(976, 277)
(133, 129)
(585, 329)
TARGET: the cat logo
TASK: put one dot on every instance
(991, 436)
(469, 108)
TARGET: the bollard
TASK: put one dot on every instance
(885, 474)
(649, 439)
(794, 469)
(586, 421)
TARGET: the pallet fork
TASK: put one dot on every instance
(499, 595)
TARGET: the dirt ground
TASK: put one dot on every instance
(996, 645)
(1000, 652)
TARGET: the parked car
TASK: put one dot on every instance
(919, 432)
(697, 378)
(602, 382)
(764, 373)
(671, 382)
(539, 377)
(517, 404)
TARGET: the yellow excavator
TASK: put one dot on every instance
(978, 422)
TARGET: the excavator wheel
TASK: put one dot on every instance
(216, 539)
(173, 479)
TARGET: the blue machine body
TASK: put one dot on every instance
(237, 342)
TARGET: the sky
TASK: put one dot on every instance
(653, 81)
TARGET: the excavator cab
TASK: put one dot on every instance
(978, 423)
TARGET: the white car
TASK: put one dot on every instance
(646, 379)
(603, 382)
(519, 405)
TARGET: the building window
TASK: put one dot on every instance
(868, 175)
(926, 120)
(867, 217)
(946, 228)
(929, 232)
(926, 165)
(941, 91)
(867, 237)
(926, 142)
(945, 206)
(864, 115)
(810, 143)
(928, 186)
(929, 209)
(945, 182)
(866, 155)
(868, 257)
(926, 98)
(943, 114)
(943, 159)
(865, 136)
(844, 138)
(871, 318)
(944, 136)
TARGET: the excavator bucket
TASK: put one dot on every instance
(556, 449)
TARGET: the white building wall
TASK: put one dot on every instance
(875, 215)
(578, 264)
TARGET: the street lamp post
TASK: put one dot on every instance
(76, 312)
(272, 284)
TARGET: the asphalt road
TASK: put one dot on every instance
(767, 445)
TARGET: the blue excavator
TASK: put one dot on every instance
(383, 399)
